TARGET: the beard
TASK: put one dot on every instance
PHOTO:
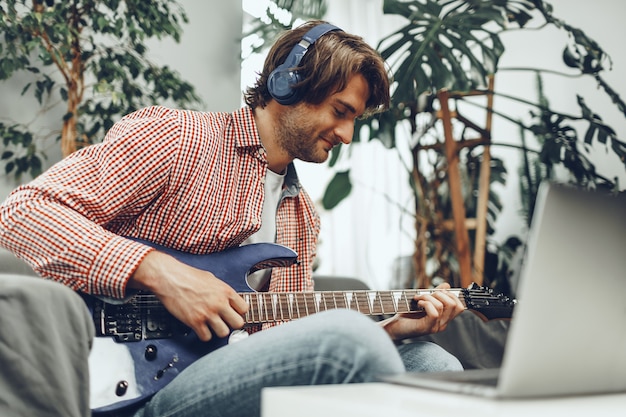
(298, 137)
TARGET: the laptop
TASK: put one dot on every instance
(568, 331)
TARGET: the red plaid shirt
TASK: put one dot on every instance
(190, 181)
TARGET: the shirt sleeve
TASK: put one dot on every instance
(61, 222)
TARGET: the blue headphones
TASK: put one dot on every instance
(281, 80)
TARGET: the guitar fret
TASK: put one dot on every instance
(255, 307)
(294, 307)
(303, 304)
(362, 300)
(377, 306)
(386, 304)
(273, 303)
(253, 311)
(397, 296)
(354, 299)
(303, 309)
(259, 307)
(262, 307)
(279, 306)
(293, 304)
(250, 313)
(371, 298)
(349, 299)
(306, 304)
(406, 301)
(290, 305)
(381, 301)
(318, 301)
(329, 301)
(265, 303)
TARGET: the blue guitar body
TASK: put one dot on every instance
(140, 348)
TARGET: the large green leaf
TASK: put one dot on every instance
(445, 44)
(338, 189)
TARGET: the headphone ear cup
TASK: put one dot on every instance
(279, 85)
(281, 81)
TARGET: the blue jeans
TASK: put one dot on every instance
(334, 347)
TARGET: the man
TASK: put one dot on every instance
(204, 182)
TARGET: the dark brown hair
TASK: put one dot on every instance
(326, 68)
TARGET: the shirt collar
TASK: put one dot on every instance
(292, 183)
(244, 129)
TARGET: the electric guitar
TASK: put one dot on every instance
(139, 347)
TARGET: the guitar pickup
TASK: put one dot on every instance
(160, 324)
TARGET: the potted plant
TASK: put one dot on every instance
(89, 57)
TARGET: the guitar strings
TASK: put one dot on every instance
(287, 306)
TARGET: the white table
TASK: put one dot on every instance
(385, 400)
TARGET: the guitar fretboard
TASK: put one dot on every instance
(265, 307)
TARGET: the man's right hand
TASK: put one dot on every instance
(196, 297)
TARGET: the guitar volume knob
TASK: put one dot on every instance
(121, 388)
(150, 353)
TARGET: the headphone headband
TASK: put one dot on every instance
(281, 81)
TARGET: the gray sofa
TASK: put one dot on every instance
(9, 264)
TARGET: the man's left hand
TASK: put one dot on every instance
(439, 308)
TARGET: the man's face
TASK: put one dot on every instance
(308, 132)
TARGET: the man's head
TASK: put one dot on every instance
(326, 68)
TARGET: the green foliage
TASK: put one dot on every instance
(281, 15)
(27, 162)
(443, 45)
(90, 56)
(338, 189)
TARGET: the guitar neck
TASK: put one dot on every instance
(265, 307)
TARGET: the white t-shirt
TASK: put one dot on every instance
(267, 233)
